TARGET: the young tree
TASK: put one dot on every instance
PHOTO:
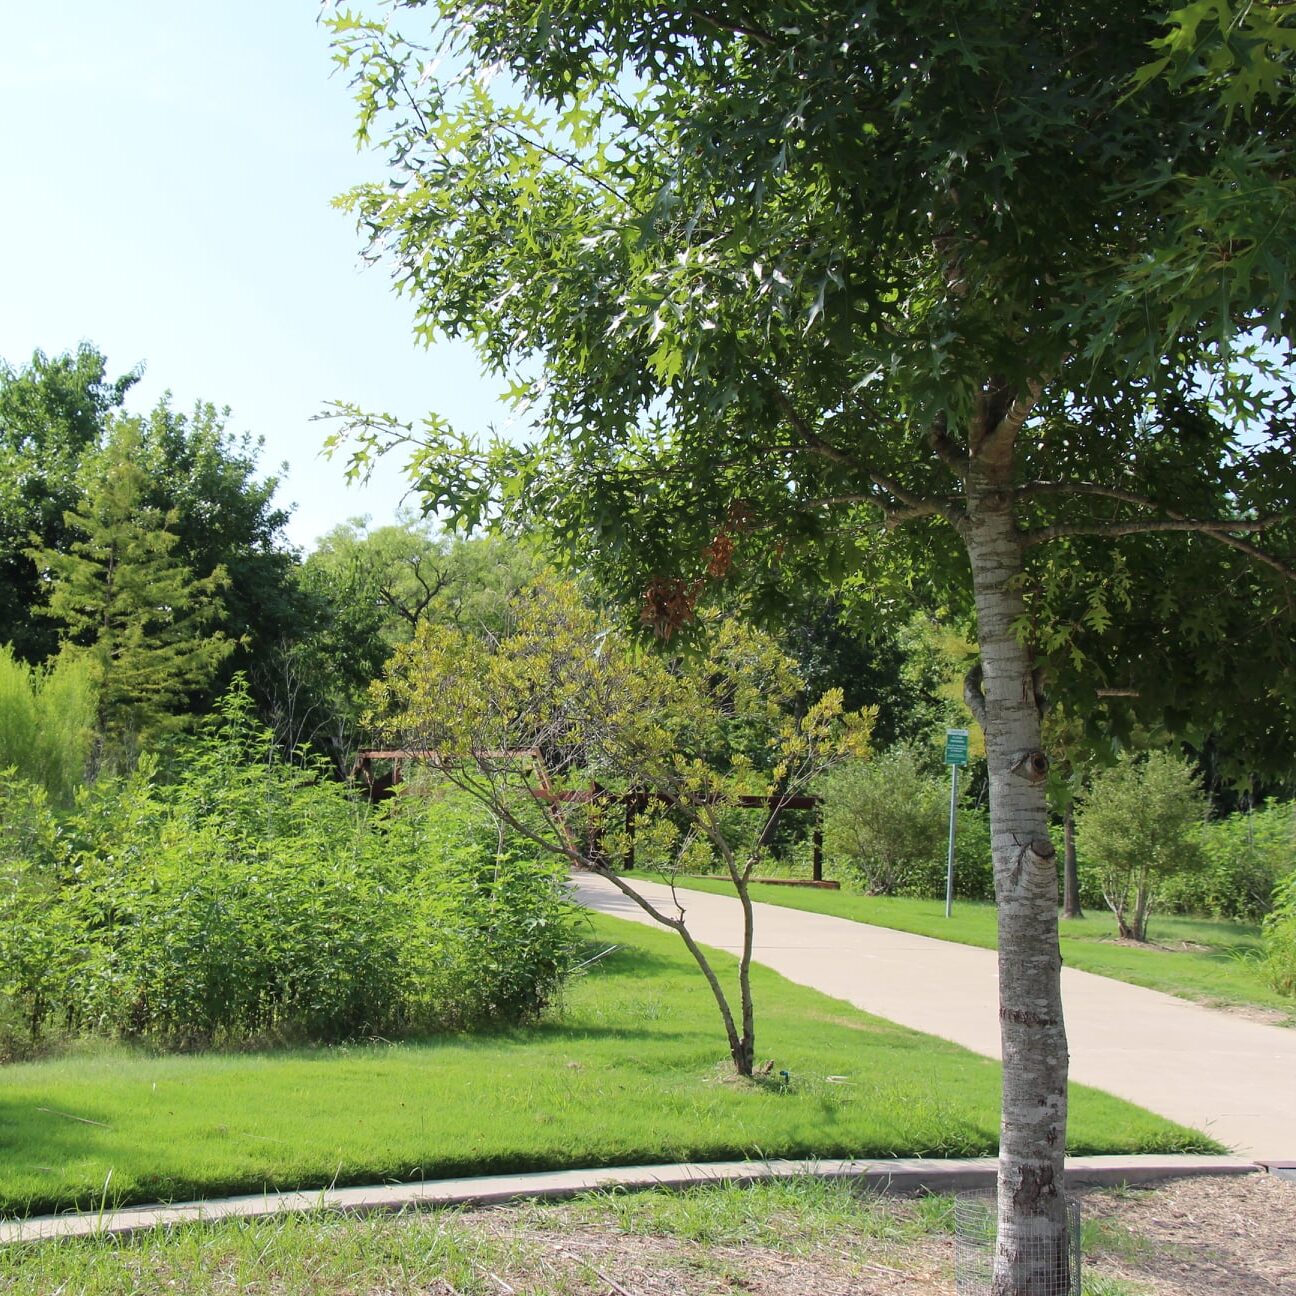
(1139, 823)
(766, 280)
(208, 481)
(515, 719)
(130, 604)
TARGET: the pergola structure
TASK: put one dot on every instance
(380, 786)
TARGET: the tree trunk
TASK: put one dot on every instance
(1070, 866)
(1031, 1253)
(1142, 906)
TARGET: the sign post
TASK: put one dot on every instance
(956, 754)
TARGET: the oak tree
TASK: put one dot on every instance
(950, 292)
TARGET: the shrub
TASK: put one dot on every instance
(253, 900)
(885, 820)
(973, 862)
(490, 934)
(1245, 857)
(30, 849)
(1280, 938)
(1138, 825)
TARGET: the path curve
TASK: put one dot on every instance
(1213, 1071)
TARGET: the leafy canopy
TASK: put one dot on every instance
(750, 277)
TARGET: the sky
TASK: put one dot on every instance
(167, 170)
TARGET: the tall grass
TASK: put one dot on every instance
(47, 716)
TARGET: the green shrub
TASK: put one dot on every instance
(31, 847)
(255, 900)
(973, 862)
(1245, 856)
(886, 823)
(489, 939)
(1280, 938)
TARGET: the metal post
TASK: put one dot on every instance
(949, 865)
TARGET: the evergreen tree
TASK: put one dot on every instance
(52, 411)
(126, 599)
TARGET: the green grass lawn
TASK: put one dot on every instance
(1206, 959)
(631, 1071)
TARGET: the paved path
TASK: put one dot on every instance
(1213, 1071)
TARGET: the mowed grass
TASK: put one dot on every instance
(630, 1071)
(1206, 959)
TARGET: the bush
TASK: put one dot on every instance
(255, 900)
(1280, 938)
(973, 861)
(1138, 825)
(490, 936)
(1245, 857)
(886, 820)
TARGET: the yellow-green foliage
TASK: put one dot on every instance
(47, 721)
(599, 706)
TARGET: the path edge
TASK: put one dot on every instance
(902, 1176)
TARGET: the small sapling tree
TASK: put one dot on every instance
(663, 748)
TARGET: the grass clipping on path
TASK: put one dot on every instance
(630, 1071)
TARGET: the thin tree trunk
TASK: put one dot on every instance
(1070, 866)
(746, 1007)
(1031, 1255)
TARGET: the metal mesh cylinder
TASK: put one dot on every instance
(976, 1223)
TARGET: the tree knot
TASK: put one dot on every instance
(1036, 850)
(1030, 764)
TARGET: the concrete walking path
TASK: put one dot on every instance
(1216, 1072)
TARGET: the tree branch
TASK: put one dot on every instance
(758, 34)
(914, 505)
(946, 449)
(1218, 530)
(999, 439)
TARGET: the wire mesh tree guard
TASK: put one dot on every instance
(976, 1229)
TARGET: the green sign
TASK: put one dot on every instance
(956, 746)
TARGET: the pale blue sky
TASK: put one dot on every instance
(167, 168)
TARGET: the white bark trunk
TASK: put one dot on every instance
(1031, 1247)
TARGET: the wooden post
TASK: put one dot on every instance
(817, 866)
